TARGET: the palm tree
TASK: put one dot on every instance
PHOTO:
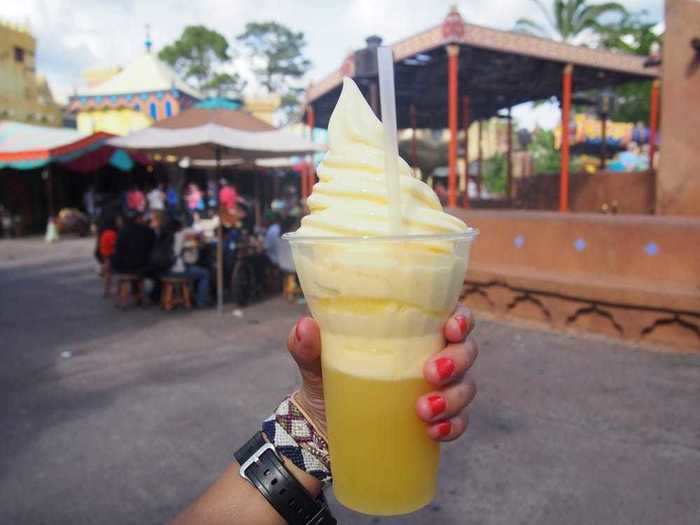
(569, 18)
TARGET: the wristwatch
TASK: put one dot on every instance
(263, 468)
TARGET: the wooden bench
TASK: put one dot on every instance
(129, 283)
(175, 292)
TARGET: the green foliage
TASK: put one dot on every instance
(545, 157)
(197, 54)
(632, 35)
(632, 102)
(495, 174)
(569, 18)
(277, 57)
(226, 84)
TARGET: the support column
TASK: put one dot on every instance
(480, 158)
(465, 112)
(311, 176)
(452, 69)
(565, 115)
(604, 141)
(374, 98)
(653, 120)
(509, 159)
(49, 192)
(414, 153)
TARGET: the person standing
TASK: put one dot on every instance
(272, 237)
(107, 243)
(135, 200)
(156, 198)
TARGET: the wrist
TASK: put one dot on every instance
(309, 482)
(313, 409)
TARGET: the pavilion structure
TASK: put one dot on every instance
(456, 73)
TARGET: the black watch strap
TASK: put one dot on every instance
(261, 465)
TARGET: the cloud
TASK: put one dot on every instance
(74, 35)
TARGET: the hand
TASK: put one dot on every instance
(446, 370)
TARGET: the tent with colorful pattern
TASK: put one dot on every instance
(25, 147)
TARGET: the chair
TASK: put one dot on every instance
(175, 292)
(126, 283)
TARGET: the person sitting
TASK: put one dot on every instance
(134, 244)
(272, 236)
(180, 268)
(290, 284)
(107, 242)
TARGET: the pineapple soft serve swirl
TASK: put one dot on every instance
(402, 289)
(351, 198)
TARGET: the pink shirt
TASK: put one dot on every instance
(228, 197)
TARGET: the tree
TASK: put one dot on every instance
(545, 156)
(496, 174)
(632, 35)
(277, 57)
(569, 18)
(197, 54)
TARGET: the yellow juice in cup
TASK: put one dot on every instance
(383, 461)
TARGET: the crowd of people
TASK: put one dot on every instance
(162, 233)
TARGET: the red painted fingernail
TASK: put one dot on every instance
(445, 366)
(297, 333)
(437, 404)
(462, 322)
(443, 428)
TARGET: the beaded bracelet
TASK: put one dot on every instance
(293, 434)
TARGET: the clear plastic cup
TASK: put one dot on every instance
(381, 303)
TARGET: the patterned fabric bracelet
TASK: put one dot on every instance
(296, 438)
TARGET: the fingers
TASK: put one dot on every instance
(446, 403)
(459, 325)
(443, 409)
(450, 363)
(450, 429)
(304, 343)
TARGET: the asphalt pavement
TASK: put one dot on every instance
(112, 417)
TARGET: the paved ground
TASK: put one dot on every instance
(149, 407)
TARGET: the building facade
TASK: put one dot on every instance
(24, 95)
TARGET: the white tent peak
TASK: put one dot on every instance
(145, 74)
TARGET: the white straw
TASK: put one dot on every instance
(385, 62)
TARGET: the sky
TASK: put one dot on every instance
(74, 35)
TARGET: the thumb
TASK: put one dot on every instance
(304, 343)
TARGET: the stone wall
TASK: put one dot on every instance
(632, 277)
(678, 185)
(621, 192)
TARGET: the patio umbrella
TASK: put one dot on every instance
(216, 133)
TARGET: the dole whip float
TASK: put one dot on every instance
(380, 300)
